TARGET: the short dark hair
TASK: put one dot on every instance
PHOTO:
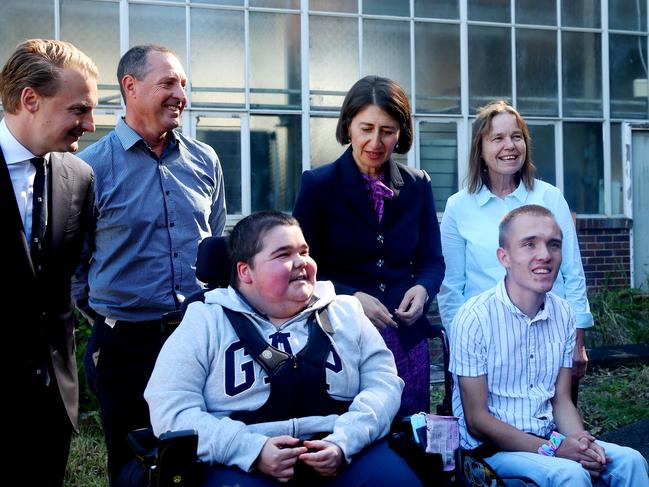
(135, 63)
(478, 176)
(505, 223)
(37, 63)
(387, 95)
(247, 237)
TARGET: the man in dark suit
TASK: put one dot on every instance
(49, 90)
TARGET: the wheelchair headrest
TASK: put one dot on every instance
(213, 263)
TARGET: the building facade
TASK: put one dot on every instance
(267, 78)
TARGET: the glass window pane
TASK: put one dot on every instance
(438, 157)
(157, 24)
(224, 135)
(322, 139)
(103, 125)
(437, 67)
(539, 12)
(386, 7)
(617, 170)
(627, 15)
(386, 50)
(30, 19)
(489, 10)
(542, 151)
(583, 167)
(628, 76)
(220, 2)
(333, 59)
(94, 28)
(274, 60)
(536, 72)
(211, 84)
(485, 82)
(275, 161)
(333, 6)
(580, 13)
(582, 74)
(439, 9)
(275, 3)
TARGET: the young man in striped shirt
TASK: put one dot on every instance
(511, 356)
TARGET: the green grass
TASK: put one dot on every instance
(87, 461)
(611, 399)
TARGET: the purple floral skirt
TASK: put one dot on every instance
(413, 366)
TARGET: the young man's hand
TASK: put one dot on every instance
(278, 456)
(326, 459)
(581, 447)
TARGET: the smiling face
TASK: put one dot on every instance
(532, 256)
(281, 278)
(154, 103)
(503, 146)
(373, 134)
(60, 120)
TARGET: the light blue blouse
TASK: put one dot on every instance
(470, 238)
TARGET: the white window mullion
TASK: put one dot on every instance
(306, 99)
(606, 110)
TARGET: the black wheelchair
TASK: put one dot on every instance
(171, 460)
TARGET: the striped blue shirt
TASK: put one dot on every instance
(150, 215)
(520, 357)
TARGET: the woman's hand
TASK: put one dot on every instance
(326, 459)
(278, 456)
(375, 311)
(412, 304)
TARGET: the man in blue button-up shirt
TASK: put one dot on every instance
(157, 195)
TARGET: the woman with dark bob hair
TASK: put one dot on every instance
(501, 178)
(371, 226)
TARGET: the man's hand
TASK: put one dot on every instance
(581, 447)
(412, 304)
(326, 460)
(375, 311)
(278, 456)
(579, 357)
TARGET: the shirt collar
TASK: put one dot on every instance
(485, 195)
(14, 152)
(129, 137)
(502, 296)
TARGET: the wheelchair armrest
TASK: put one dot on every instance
(144, 445)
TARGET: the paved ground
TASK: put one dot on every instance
(635, 435)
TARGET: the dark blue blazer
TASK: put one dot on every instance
(358, 253)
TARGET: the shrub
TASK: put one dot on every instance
(621, 317)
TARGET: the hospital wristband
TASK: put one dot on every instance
(548, 449)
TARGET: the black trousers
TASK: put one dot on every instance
(38, 439)
(118, 363)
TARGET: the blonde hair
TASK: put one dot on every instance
(37, 63)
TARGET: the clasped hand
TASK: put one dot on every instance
(280, 454)
(409, 310)
(581, 447)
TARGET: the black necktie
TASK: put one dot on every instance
(39, 208)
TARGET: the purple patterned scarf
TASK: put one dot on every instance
(379, 192)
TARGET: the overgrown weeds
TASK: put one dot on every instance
(621, 317)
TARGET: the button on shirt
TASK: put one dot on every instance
(469, 232)
(22, 173)
(150, 215)
(520, 357)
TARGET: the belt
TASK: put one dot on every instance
(166, 324)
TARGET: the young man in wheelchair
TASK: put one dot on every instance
(283, 380)
(511, 356)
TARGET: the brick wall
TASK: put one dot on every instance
(605, 251)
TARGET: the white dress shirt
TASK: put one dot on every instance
(22, 173)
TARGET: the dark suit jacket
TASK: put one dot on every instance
(358, 253)
(38, 314)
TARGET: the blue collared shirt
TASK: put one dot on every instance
(470, 238)
(150, 215)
